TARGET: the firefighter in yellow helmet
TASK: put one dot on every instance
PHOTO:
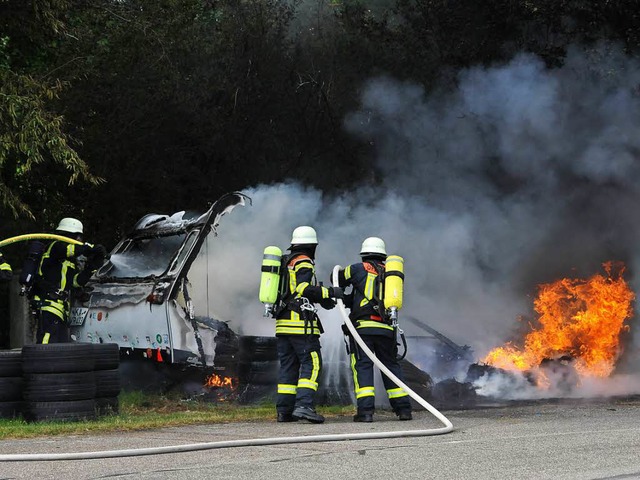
(58, 274)
(369, 317)
(5, 269)
(298, 329)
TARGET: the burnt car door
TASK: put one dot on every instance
(145, 299)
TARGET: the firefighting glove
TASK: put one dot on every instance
(327, 303)
(348, 300)
(336, 292)
(96, 257)
(98, 251)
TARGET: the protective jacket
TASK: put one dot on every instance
(5, 270)
(57, 275)
(366, 313)
(299, 286)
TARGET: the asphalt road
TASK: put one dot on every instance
(561, 440)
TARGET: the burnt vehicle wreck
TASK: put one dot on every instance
(149, 298)
(152, 298)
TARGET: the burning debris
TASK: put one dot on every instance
(220, 388)
(576, 336)
(220, 381)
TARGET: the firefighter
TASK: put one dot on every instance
(375, 327)
(5, 269)
(298, 329)
(57, 275)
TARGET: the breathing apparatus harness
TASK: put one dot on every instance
(391, 279)
(274, 291)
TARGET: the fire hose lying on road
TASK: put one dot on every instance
(254, 442)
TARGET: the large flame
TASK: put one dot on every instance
(579, 318)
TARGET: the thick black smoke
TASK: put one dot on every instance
(515, 177)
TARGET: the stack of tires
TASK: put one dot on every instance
(257, 368)
(59, 382)
(107, 377)
(10, 383)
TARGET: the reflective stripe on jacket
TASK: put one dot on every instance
(301, 285)
(364, 312)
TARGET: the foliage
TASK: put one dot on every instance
(174, 102)
(32, 135)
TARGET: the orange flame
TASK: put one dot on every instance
(215, 380)
(580, 318)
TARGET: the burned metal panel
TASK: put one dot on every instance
(137, 299)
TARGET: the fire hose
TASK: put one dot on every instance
(254, 442)
(42, 236)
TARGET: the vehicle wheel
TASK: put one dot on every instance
(106, 355)
(57, 358)
(258, 373)
(11, 389)
(59, 387)
(107, 383)
(10, 409)
(258, 349)
(10, 363)
(60, 411)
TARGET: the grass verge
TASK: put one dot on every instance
(140, 411)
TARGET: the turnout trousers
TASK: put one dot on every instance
(300, 367)
(51, 328)
(386, 350)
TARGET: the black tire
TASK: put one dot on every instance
(226, 348)
(106, 355)
(226, 365)
(107, 383)
(258, 373)
(11, 389)
(60, 411)
(10, 409)
(107, 406)
(57, 358)
(10, 363)
(59, 387)
(258, 349)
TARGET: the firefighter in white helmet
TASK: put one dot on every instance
(368, 314)
(298, 329)
(57, 275)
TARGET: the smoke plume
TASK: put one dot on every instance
(519, 175)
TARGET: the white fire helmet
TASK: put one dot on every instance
(304, 236)
(373, 245)
(70, 225)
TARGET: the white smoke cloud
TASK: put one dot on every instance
(518, 176)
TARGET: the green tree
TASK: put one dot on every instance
(35, 150)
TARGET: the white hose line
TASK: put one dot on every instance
(254, 442)
(448, 425)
